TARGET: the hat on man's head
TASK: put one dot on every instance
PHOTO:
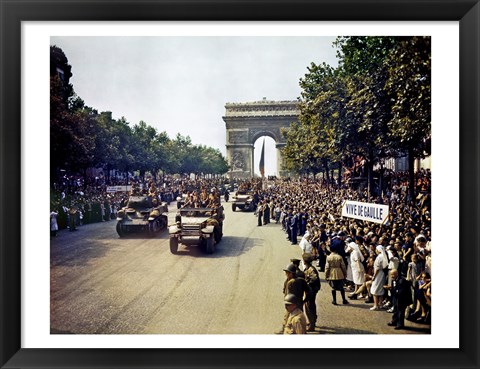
(290, 268)
(291, 299)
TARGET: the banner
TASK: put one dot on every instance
(112, 189)
(369, 212)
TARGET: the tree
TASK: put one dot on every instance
(409, 85)
(362, 64)
(317, 142)
(143, 148)
(60, 69)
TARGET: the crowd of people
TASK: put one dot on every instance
(388, 265)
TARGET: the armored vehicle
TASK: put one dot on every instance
(243, 200)
(201, 227)
(142, 214)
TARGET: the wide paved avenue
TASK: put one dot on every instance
(102, 284)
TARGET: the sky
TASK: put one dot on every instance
(180, 84)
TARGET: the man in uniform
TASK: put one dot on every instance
(313, 281)
(296, 321)
(299, 272)
(295, 284)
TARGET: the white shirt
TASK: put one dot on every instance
(306, 246)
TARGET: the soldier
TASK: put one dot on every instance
(313, 281)
(259, 213)
(299, 272)
(296, 321)
(295, 283)
(335, 273)
(152, 189)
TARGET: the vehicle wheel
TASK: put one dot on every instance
(203, 245)
(163, 222)
(218, 234)
(173, 245)
(152, 228)
(251, 207)
(234, 207)
(120, 231)
(210, 245)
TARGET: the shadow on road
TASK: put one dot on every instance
(229, 246)
(90, 242)
(232, 246)
(339, 330)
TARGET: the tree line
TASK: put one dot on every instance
(376, 105)
(83, 138)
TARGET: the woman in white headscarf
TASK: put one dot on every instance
(358, 271)
(377, 290)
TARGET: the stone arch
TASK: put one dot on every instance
(265, 132)
(246, 122)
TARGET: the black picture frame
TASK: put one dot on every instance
(12, 13)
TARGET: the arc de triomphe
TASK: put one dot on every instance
(246, 122)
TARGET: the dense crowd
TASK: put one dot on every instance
(387, 264)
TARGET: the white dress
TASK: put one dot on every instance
(53, 221)
(377, 284)
(358, 271)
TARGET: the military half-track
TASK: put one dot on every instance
(201, 227)
(243, 200)
(142, 214)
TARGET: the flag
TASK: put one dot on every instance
(262, 160)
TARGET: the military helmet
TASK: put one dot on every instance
(290, 268)
(291, 299)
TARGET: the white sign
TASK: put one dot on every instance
(125, 188)
(369, 212)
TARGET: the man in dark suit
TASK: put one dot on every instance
(400, 289)
(294, 228)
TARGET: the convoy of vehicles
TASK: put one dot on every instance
(194, 226)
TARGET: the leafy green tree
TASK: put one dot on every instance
(409, 85)
(143, 147)
(71, 133)
(160, 148)
(362, 64)
(326, 109)
(360, 55)
(59, 68)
